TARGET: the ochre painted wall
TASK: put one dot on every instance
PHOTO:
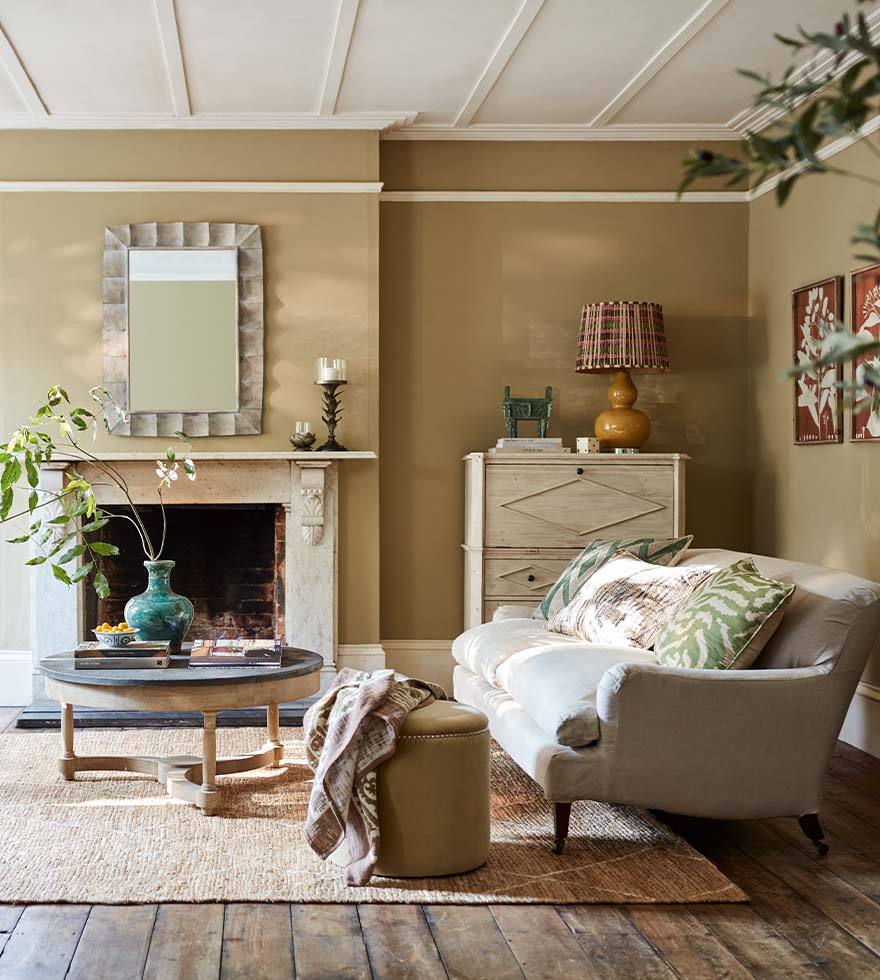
(478, 295)
(321, 297)
(811, 503)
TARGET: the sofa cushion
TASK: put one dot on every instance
(658, 551)
(627, 601)
(553, 678)
(556, 685)
(821, 615)
(725, 622)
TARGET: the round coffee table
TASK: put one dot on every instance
(181, 688)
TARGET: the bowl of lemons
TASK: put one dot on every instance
(119, 635)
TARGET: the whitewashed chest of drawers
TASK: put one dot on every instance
(526, 517)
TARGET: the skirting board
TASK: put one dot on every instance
(861, 727)
(429, 659)
(16, 669)
(360, 656)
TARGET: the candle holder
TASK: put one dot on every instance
(303, 438)
(332, 411)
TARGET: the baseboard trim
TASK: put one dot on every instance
(430, 660)
(16, 671)
(861, 727)
(360, 656)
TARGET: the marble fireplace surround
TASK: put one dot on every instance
(305, 484)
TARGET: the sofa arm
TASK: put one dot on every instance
(735, 743)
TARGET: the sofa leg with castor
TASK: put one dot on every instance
(561, 817)
(813, 829)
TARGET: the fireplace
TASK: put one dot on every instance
(230, 565)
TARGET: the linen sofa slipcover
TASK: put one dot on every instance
(728, 744)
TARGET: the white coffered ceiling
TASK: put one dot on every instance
(468, 69)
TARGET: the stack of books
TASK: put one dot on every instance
(531, 447)
(138, 655)
(236, 653)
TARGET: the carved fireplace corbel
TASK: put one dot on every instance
(312, 501)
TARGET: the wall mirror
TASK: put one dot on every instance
(183, 327)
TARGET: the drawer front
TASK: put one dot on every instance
(491, 605)
(526, 577)
(567, 505)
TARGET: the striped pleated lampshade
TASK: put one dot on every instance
(622, 335)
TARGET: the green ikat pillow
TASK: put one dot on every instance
(657, 551)
(725, 622)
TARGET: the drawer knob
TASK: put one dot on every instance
(580, 471)
(531, 578)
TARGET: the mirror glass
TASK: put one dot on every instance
(183, 329)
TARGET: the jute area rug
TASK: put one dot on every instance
(118, 838)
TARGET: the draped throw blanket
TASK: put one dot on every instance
(349, 732)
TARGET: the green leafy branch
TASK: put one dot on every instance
(834, 95)
(62, 527)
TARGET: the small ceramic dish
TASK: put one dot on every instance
(107, 639)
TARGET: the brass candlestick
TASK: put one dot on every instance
(332, 411)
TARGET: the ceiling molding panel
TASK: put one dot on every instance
(670, 49)
(517, 30)
(379, 121)
(339, 47)
(20, 78)
(170, 37)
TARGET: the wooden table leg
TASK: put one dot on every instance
(67, 762)
(273, 730)
(209, 795)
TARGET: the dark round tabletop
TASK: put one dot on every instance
(294, 663)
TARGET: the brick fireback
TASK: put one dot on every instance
(230, 564)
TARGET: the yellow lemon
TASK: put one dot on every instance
(124, 627)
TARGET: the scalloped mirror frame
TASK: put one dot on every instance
(118, 239)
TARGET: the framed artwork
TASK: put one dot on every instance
(865, 284)
(815, 310)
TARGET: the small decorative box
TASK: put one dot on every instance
(587, 444)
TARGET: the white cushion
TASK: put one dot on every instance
(552, 677)
(557, 685)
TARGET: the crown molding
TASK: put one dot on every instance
(755, 118)
(190, 187)
(575, 132)
(823, 153)
(570, 197)
(379, 121)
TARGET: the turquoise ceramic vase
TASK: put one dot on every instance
(159, 613)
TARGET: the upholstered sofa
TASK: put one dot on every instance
(592, 722)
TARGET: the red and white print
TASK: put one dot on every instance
(815, 310)
(866, 322)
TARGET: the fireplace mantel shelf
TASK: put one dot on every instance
(238, 457)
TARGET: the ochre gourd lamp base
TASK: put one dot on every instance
(622, 426)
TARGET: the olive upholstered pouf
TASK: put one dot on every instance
(434, 794)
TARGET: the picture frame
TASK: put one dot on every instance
(817, 403)
(865, 315)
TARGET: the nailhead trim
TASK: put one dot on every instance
(483, 731)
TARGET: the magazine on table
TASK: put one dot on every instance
(236, 653)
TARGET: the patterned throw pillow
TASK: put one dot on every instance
(627, 601)
(659, 551)
(725, 623)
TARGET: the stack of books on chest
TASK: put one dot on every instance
(144, 654)
(529, 447)
(236, 653)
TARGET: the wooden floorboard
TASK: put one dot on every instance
(809, 917)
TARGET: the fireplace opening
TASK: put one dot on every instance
(229, 564)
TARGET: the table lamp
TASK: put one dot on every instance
(622, 336)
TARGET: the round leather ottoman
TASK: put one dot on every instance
(434, 794)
